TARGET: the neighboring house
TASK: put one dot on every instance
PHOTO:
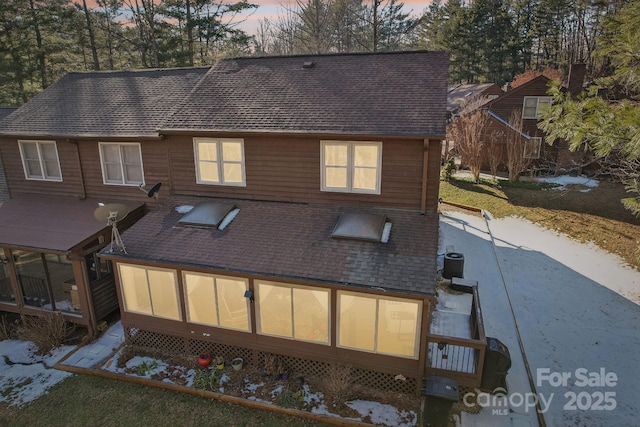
(298, 210)
(459, 95)
(79, 143)
(4, 191)
(526, 102)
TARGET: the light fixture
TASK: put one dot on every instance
(249, 294)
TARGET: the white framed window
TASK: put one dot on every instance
(533, 106)
(351, 167)
(217, 300)
(379, 324)
(532, 148)
(291, 311)
(40, 160)
(121, 163)
(219, 161)
(150, 291)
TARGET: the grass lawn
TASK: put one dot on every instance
(84, 400)
(595, 216)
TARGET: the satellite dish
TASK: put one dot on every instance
(111, 214)
(153, 192)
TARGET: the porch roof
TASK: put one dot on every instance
(291, 241)
(50, 223)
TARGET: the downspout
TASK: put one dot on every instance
(83, 193)
(425, 176)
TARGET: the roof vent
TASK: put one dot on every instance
(308, 64)
(361, 226)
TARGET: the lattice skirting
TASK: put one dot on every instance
(301, 367)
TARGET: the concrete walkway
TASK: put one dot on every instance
(470, 236)
(93, 355)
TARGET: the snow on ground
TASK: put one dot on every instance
(567, 180)
(24, 375)
(577, 312)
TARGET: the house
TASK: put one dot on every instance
(524, 105)
(298, 210)
(74, 146)
(459, 95)
(4, 191)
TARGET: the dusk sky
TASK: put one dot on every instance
(270, 9)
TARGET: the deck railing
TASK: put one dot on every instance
(460, 359)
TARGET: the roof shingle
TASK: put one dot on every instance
(98, 104)
(293, 241)
(399, 93)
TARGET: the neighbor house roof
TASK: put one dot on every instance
(458, 94)
(50, 223)
(99, 104)
(5, 111)
(291, 241)
(400, 93)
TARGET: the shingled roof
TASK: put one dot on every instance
(400, 93)
(291, 241)
(98, 104)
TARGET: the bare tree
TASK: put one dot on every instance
(468, 131)
(494, 153)
(516, 144)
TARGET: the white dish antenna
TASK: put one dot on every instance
(111, 214)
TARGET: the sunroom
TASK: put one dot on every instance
(257, 278)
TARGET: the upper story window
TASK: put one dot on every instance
(121, 163)
(351, 167)
(219, 161)
(532, 148)
(533, 106)
(40, 160)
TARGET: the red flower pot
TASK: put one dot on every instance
(204, 359)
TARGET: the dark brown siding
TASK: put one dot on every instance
(105, 299)
(155, 163)
(514, 99)
(71, 184)
(288, 169)
(433, 175)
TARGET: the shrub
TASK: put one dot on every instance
(448, 169)
(47, 330)
(337, 384)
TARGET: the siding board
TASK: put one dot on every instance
(288, 169)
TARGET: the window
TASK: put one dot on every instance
(219, 161)
(150, 291)
(379, 324)
(352, 167)
(532, 148)
(121, 163)
(533, 106)
(217, 300)
(292, 311)
(40, 160)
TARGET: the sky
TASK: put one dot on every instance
(270, 8)
(575, 308)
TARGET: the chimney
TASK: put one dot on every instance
(576, 79)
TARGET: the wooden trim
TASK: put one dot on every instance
(240, 134)
(83, 190)
(425, 176)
